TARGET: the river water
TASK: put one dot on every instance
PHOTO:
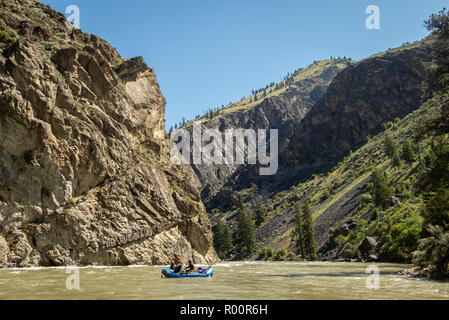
(234, 280)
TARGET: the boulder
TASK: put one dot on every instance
(372, 258)
(367, 245)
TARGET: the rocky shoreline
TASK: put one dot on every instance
(426, 273)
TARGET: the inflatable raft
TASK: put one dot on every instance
(205, 274)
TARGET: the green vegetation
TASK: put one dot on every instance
(408, 154)
(439, 25)
(250, 216)
(281, 254)
(390, 145)
(222, 239)
(246, 232)
(410, 211)
(266, 253)
(379, 187)
(37, 13)
(304, 234)
(392, 150)
(390, 207)
(58, 40)
(397, 162)
(260, 213)
(436, 209)
(8, 37)
(51, 45)
(433, 249)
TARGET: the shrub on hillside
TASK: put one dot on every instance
(281, 254)
(266, 253)
(8, 37)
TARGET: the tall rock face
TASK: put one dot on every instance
(281, 110)
(361, 98)
(85, 175)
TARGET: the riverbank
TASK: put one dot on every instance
(425, 273)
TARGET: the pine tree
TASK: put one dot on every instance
(218, 237)
(308, 232)
(439, 25)
(227, 239)
(396, 159)
(389, 145)
(436, 209)
(246, 233)
(379, 188)
(260, 213)
(436, 175)
(408, 154)
(298, 230)
(222, 239)
(305, 237)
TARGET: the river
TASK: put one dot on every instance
(233, 280)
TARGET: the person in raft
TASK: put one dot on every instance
(178, 267)
(172, 266)
(190, 267)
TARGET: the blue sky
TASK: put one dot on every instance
(208, 53)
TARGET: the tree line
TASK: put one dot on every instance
(250, 217)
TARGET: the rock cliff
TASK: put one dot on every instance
(85, 175)
(282, 110)
(360, 99)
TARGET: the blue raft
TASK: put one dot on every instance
(205, 274)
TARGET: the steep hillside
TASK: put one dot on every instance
(85, 175)
(359, 100)
(282, 108)
(343, 210)
(342, 204)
